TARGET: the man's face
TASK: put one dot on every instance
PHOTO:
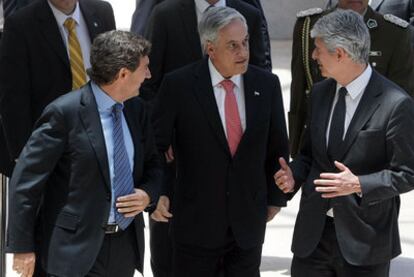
(65, 6)
(358, 6)
(328, 62)
(230, 52)
(134, 79)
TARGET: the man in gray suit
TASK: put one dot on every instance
(355, 161)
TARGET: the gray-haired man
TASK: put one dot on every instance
(93, 160)
(356, 159)
(227, 123)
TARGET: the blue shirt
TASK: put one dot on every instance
(105, 104)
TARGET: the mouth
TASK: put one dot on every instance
(242, 61)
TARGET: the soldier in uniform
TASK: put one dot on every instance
(391, 55)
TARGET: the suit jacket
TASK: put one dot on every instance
(34, 65)
(213, 190)
(378, 149)
(173, 32)
(65, 162)
(391, 55)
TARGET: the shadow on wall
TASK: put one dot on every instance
(279, 264)
(402, 267)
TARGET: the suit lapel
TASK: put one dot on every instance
(321, 118)
(205, 95)
(189, 20)
(91, 121)
(50, 30)
(367, 106)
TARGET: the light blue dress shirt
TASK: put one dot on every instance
(105, 104)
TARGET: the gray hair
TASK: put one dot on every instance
(214, 19)
(344, 29)
(114, 50)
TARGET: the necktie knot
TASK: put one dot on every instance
(343, 92)
(70, 24)
(228, 85)
(117, 109)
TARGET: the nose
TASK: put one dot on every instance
(148, 74)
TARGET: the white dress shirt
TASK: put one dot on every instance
(220, 94)
(202, 5)
(81, 31)
(355, 91)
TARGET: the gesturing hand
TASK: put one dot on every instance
(338, 184)
(132, 204)
(284, 177)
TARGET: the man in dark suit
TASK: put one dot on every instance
(391, 55)
(355, 161)
(176, 43)
(35, 44)
(143, 9)
(95, 165)
(227, 122)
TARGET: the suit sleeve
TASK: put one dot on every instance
(151, 181)
(156, 33)
(36, 162)
(15, 87)
(278, 146)
(399, 176)
(165, 112)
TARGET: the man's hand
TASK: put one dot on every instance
(284, 177)
(161, 213)
(272, 211)
(24, 263)
(338, 184)
(132, 204)
(169, 155)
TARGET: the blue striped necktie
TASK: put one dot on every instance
(9, 6)
(123, 183)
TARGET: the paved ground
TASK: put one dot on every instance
(276, 251)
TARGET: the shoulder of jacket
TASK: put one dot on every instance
(309, 12)
(396, 20)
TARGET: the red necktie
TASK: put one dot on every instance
(233, 123)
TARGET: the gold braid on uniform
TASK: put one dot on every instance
(305, 52)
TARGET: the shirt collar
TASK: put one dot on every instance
(202, 5)
(103, 100)
(357, 86)
(216, 77)
(61, 17)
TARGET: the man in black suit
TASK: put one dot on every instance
(355, 161)
(95, 165)
(176, 43)
(227, 122)
(35, 64)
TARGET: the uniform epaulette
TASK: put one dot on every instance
(396, 20)
(309, 12)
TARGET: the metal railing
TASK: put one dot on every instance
(3, 212)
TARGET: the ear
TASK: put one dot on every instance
(210, 49)
(123, 73)
(341, 54)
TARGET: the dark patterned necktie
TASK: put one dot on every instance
(123, 182)
(336, 131)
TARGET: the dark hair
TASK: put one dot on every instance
(114, 50)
